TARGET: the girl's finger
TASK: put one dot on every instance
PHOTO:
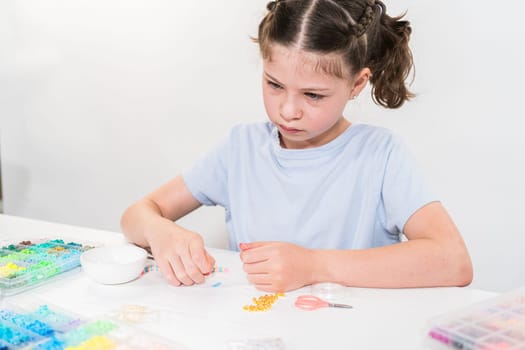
(255, 268)
(210, 261)
(193, 272)
(180, 271)
(199, 257)
(251, 245)
(253, 256)
(167, 271)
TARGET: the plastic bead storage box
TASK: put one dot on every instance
(496, 324)
(27, 264)
(45, 327)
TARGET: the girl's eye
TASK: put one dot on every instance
(274, 85)
(312, 96)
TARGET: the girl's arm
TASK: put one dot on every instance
(179, 253)
(434, 255)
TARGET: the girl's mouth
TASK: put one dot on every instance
(288, 130)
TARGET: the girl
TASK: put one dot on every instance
(310, 197)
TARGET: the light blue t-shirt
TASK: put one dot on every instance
(354, 192)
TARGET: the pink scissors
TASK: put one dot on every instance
(311, 302)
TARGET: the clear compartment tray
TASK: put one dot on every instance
(44, 326)
(494, 324)
(29, 264)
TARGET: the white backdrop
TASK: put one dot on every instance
(101, 101)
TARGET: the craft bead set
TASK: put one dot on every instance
(496, 324)
(28, 264)
(42, 326)
(45, 327)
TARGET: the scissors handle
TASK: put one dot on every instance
(310, 302)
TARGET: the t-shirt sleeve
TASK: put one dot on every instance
(404, 190)
(208, 177)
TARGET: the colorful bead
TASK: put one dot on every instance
(220, 269)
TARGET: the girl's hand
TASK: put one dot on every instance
(180, 255)
(277, 266)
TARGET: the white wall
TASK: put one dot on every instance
(101, 101)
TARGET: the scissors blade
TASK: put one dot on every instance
(344, 306)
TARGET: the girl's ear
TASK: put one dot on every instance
(359, 82)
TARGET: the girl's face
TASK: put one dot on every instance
(305, 104)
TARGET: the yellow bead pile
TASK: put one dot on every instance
(9, 269)
(263, 303)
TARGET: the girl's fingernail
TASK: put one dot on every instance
(243, 246)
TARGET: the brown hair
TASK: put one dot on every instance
(359, 31)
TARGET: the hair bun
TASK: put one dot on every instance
(271, 5)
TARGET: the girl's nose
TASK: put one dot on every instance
(290, 109)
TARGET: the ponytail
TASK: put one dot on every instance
(392, 62)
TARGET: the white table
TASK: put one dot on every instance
(203, 317)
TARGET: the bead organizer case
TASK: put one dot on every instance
(498, 323)
(28, 264)
(46, 327)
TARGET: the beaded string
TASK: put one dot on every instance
(155, 267)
